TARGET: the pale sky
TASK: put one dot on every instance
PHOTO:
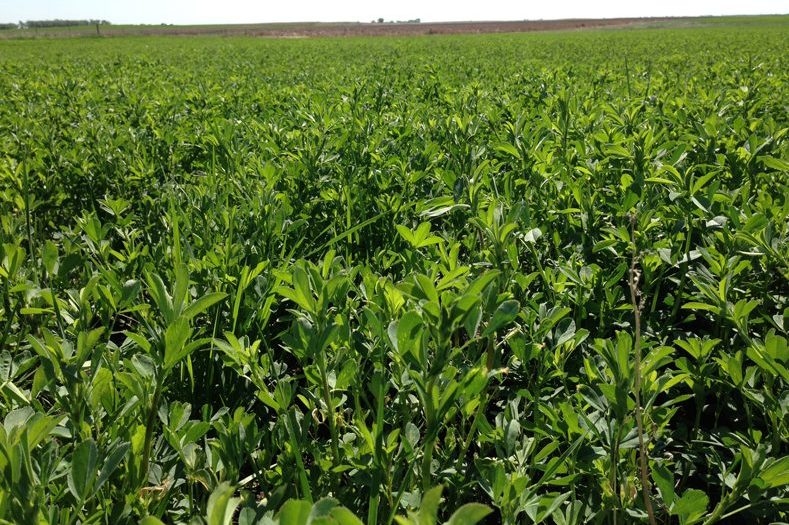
(253, 11)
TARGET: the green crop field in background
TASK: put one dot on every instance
(534, 278)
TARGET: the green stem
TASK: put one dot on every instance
(149, 424)
(11, 313)
(56, 307)
(541, 269)
(372, 511)
(614, 467)
(327, 399)
(721, 507)
(28, 227)
(406, 481)
(427, 460)
(472, 430)
(633, 277)
(490, 356)
(699, 395)
(683, 269)
(290, 425)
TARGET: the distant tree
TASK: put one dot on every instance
(380, 20)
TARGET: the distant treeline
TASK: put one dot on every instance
(412, 21)
(33, 24)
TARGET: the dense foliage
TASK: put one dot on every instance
(239, 276)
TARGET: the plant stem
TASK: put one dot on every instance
(11, 313)
(330, 409)
(490, 356)
(290, 424)
(406, 482)
(372, 510)
(149, 424)
(56, 307)
(683, 269)
(615, 468)
(28, 228)
(721, 507)
(633, 277)
(427, 461)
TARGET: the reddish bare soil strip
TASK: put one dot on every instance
(395, 29)
(348, 29)
(446, 28)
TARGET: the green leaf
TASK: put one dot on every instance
(473, 319)
(616, 151)
(691, 507)
(701, 306)
(151, 520)
(83, 470)
(49, 256)
(411, 434)
(38, 428)
(329, 512)
(295, 512)
(140, 341)
(301, 293)
(347, 233)
(17, 418)
(775, 163)
(469, 514)
(180, 289)
(174, 342)
(202, 304)
(405, 233)
(221, 505)
(532, 235)
(160, 296)
(509, 149)
(432, 213)
(407, 333)
(511, 434)
(664, 480)
(504, 315)
(111, 463)
(602, 245)
(478, 286)
(777, 473)
(247, 516)
(343, 516)
(428, 510)
(322, 508)
(425, 284)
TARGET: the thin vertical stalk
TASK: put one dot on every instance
(28, 226)
(375, 494)
(427, 461)
(633, 278)
(290, 425)
(148, 443)
(683, 269)
(627, 78)
(490, 355)
(9, 312)
(329, 408)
